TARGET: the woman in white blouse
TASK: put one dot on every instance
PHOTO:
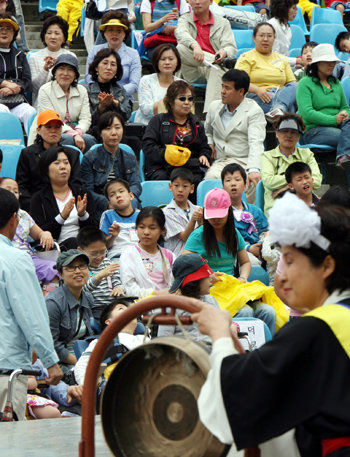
(152, 89)
(54, 35)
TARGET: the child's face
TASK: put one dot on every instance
(218, 223)
(234, 185)
(118, 309)
(306, 56)
(10, 185)
(149, 232)
(119, 197)
(344, 45)
(181, 189)
(204, 287)
(96, 252)
(302, 183)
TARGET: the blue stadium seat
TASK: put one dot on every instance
(142, 166)
(342, 55)
(298, 37)
(30, 121)
(322, 34)
(296, 52)
(132, 117)
(155, 193)
(82, 21)
(244, 38)
(207, 185)
(346, 87)
(259, 274)
(11, 128)
(325, 16)
(315, 146)
(241, 7)
(260, 195)
(300, 21)
(122, 146)
(81, 155)
(48, 5)
(11, 153)
(33, 51)
(242, 51)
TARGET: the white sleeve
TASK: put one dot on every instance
(211, 406)
(146, 7)
(129, 271)
(82, 363)
(184, 8)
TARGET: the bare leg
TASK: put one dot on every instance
(45, 412)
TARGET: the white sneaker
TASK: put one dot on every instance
(274, 114)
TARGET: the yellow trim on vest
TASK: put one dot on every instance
(337, 317)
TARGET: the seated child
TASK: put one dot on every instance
(104, 281)
(192, 278)
(300, 181)
(306, 59)
(119, 223)
(342, 43)
(26, 229)
(125, 338)
(250, 220)
(146, 266)
(181, 216)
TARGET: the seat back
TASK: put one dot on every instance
(241, 7)
(48, 5)
(298, 37)
(243, 38)
(346, 87)
(322, 33)
(155, 193)
(300, 21)
(260, 195)
(11, 153)
(207, 185)
(325, 16)
(142, 166)
(11, 128)
(242, 51)
(296, 52)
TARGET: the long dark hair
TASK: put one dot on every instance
(210, 241)
(280, 9)
(312, 70)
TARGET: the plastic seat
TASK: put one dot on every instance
(325, 16)
(142, 166)
(82, 81)
(30, 121)
(260, 195)
(296, 52)
(326, 34)
(259, 274)
(155, 193)
(298, 37)
(300, 21)
(342, 55)
(11, 153)
(11, 128)
(82, 21)
(132, 117)
(244, 38)
(346, 87)
(122, 146)
(315, 146)
(33, 51)
(81, 155)
(207, 185)
(241, 7)
(48, 5)
(242, 51)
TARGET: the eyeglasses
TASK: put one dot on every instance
(96, 255)
(183, 98)
(81, 267)
(4, 27)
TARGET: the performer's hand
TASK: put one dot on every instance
(212, 321)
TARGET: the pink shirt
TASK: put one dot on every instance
(203, 32)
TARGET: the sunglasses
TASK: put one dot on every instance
(183, 98)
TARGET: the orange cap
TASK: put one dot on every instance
(47, 116)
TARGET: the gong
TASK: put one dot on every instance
(149, 404)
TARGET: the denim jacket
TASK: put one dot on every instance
(96, 166)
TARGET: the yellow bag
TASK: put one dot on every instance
(232, 295)
(175, 155)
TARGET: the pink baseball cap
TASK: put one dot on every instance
(216, 203)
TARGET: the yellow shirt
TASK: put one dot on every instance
(265, 71)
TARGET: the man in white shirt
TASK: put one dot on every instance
(236, 130)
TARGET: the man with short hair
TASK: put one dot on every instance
(236, 130)
(24, 323)
(205, 39)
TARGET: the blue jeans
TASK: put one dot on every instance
(261, 311)
(69, 140)
(284, 100)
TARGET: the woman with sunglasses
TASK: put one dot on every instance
(69, 307)
(179, 127)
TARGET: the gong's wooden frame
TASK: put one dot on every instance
(87, 442)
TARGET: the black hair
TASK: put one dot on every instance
(88, 235)
(122, 181)
(106, 120)
(50, 156)
(280, 8)
(335, 226)
(312, 70)
(177, 87)
(240, 78)
(157, 54)
(295, 169)
(341, 36)
(154, 212)
(309, 44)
(9, 15)
(191, 289)
(258, 26)
(229, 233)
(183, 173)
(1, 156)
(103, 54)
(123, 18)
(9, 205)
(107, 311)
(336, 195)
(231, 168)
(55, 20)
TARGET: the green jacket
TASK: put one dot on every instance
(318, 105)
(274, 165)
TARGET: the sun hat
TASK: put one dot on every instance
(67, 257)
(66, 59)
(188, 268)
(111, 22)
(47, 116)
(216, 203)
(11, 21)
(324, 53)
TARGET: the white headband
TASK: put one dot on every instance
(293, 223)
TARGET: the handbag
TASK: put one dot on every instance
(13, 100)
(176, 156)
(91, 11)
